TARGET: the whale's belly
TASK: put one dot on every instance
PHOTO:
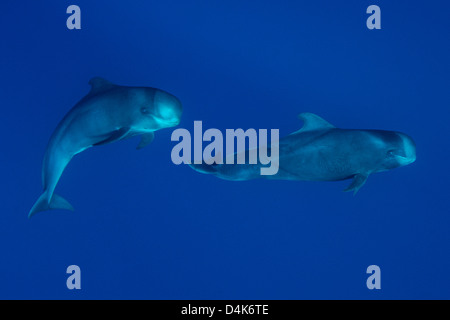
(85, 126)
(317, 165)
(325, 159)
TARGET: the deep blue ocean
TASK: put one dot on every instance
(145, 228)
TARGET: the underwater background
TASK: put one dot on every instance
(144, 228)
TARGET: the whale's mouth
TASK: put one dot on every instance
(404, 160)
(170, 122)
(408, 152)
(406, 157)
(174, 122)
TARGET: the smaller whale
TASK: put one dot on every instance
(321, 152)
(108, 113)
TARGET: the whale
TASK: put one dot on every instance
(108, 113)
(319, 151)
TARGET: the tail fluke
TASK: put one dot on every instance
(56, 202)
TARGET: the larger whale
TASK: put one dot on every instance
(108, 113)
(321, 152)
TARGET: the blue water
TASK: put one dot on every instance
(148, 229)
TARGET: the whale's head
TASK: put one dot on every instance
(158, 109)
(398, 150)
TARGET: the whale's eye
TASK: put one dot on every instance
(145, 110)
(390, 153)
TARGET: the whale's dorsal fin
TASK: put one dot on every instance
(99, 85)
(313, 122)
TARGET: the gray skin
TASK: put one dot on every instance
(108, 113)
(321, 152)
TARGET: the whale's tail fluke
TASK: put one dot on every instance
(56, 202)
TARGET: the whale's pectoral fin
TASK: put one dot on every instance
(358, 181)
(146, 139)
(114, 136)
(42, 204)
